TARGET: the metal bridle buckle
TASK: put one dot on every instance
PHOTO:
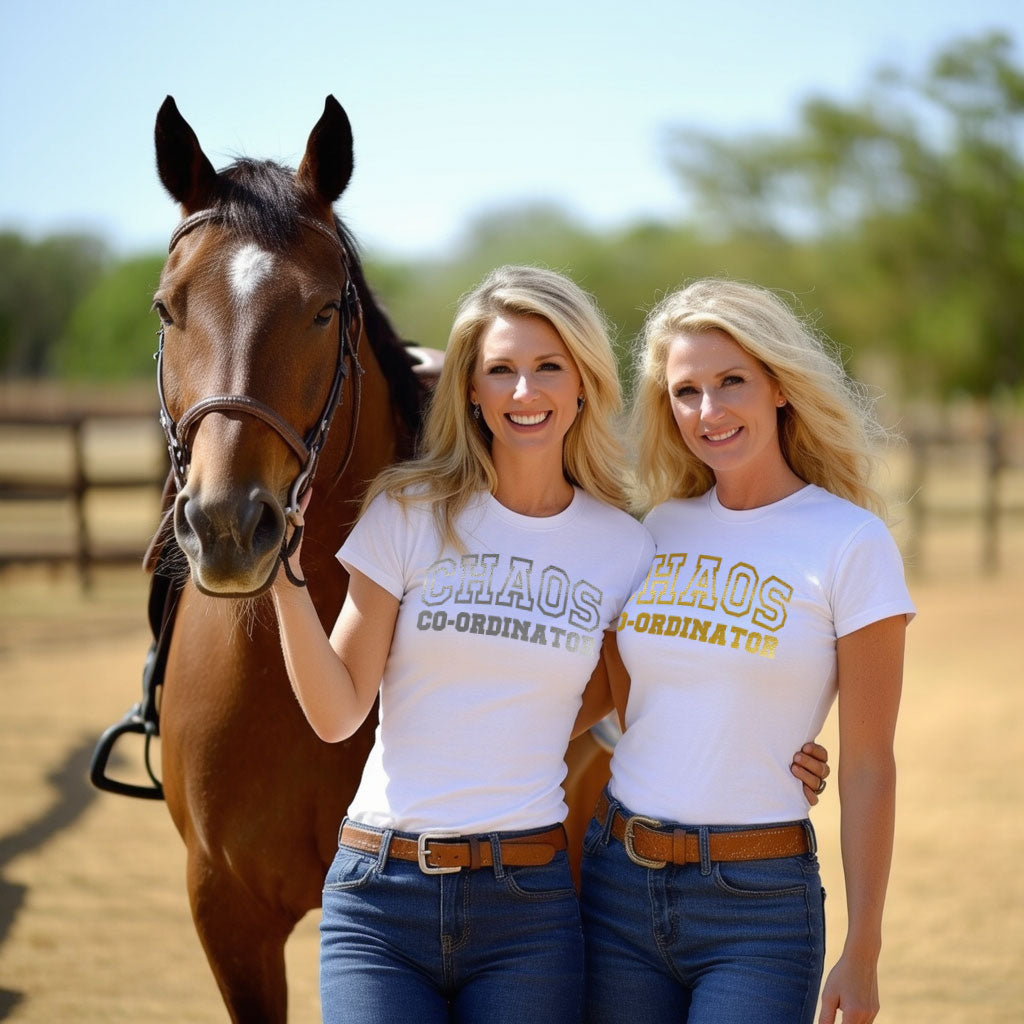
(422, 852)
(627, 841)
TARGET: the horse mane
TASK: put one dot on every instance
(259, 199)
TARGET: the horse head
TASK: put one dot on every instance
(260, 323)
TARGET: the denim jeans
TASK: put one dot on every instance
(739, 942)
(494, 945)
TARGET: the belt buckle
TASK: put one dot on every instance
(627, 839)
(422, 852)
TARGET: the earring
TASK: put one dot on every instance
(476, 411)
(780, 402)
(579, 403)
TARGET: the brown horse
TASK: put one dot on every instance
(275, 363)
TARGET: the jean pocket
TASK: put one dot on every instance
(763, 879)
(549, 881)
(349, 870)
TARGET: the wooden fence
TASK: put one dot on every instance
(965, 468)
(953, 471)
(50, 484)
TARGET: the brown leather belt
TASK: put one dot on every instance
(442, 853)
(651, 844)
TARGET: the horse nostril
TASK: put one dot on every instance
(268, 529)
(248, 526)
(189, 523)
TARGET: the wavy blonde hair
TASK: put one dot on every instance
(827, 429)
(455, 457)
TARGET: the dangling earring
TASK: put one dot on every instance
(476, 411)
(579, 403)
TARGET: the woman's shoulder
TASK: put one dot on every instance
(410, 502)
(604, 513)
(817, 502)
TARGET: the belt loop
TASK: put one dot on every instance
(812, 837)
(474, 853)
(385, 848)
(704, 844)
(613, 806)
(499, 866)
(341, 826)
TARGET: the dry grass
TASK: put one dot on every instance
(94, 921)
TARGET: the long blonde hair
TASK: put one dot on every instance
(827, 430)
(455, 459)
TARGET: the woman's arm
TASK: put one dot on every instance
(870, 682)
(336, 680)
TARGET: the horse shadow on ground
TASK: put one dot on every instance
(74, 795)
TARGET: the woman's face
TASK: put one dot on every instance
(526, 384)
(725, 404)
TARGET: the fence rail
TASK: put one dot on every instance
(953, 472)
(45, 466)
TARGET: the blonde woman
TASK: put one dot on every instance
(775, 587)
(482, 579)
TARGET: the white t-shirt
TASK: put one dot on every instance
(492, 650)
(731, 648)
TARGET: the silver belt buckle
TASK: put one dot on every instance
(422, 852)
(627, 840)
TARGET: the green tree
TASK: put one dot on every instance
(913, 198)
(40, 283)
(111, 333)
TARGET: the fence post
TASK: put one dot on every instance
(915, 491)
(79, 486)
(990, 500)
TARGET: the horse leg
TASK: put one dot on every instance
(588, 763)
(244, 942)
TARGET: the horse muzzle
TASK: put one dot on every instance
(232, 542)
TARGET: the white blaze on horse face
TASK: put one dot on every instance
(250, 266)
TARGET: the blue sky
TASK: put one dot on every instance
(456, 107)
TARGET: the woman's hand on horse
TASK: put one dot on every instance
(810, 766)
(296, 520)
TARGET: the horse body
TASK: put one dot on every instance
(252, 299)
(263, 302)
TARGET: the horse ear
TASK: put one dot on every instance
(182, 165)
(327, 164)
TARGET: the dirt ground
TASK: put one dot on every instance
(94, 921)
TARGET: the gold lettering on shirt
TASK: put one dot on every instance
(737, 592)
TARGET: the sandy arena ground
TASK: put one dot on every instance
(94, 921)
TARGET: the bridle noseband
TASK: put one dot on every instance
(307, 448)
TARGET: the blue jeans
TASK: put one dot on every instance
(486, 946)
(739, 942)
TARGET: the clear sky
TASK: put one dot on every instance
(456, 107)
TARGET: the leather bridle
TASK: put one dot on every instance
(306, 448)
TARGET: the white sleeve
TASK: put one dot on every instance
(378, 545)
(869, 583)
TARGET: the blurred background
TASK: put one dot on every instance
(866, 160)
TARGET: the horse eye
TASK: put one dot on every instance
(326, 315)
(161, 311)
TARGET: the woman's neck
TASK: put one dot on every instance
(750, 490)
(531, 489)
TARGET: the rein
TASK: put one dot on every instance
(307, 448)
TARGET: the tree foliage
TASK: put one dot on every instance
(111, 334)
(40, 284)
(914, 197)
